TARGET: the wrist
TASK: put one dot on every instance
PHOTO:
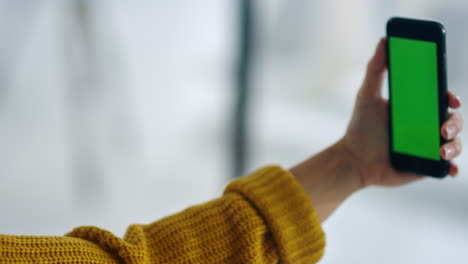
(328, 178)
(350, 165)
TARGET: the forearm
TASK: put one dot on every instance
(265, 217)
(328, 178)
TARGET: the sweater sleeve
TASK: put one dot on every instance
(265, 217)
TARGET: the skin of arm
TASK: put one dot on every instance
(360, 158)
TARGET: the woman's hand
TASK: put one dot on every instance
(361, 157)
(367, 135)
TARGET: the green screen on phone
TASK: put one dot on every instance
(414, 97)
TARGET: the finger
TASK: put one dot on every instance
(411, 177)
(453, 171)
(454, 100)
(450, 150)
(452, 126)
(372, 86)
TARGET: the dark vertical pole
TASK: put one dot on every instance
(84, 87)
(242, 84)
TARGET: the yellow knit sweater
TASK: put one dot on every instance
(265, 217)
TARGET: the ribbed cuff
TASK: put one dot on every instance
(287, 211)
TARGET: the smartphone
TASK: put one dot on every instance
(418, 100)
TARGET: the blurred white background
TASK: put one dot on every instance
(116, 112)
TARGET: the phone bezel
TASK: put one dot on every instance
(426, 31)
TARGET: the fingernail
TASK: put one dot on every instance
(459, 100)
(451, 130)
(449, 152)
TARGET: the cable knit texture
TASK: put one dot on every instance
(265, 217)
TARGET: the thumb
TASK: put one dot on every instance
(372, 87)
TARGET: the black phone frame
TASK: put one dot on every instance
(426, 31)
